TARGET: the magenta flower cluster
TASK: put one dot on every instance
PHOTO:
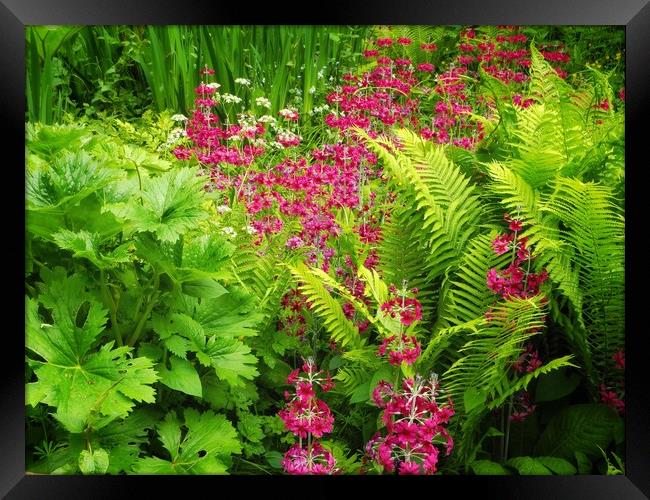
(516, 280)
(613, 394)
(308, 417)
(415, 425)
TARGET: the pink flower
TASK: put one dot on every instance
(309, 460)
(611, 399)
(502, 243)
(515, 225)
(427, 67)
(414, 420)
(619, 359)
(429, 47)
(408, 468)
(384, 42)
(294, 242)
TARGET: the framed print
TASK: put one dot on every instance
(395, 242)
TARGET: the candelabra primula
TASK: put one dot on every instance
(308, 417)
(414, 420)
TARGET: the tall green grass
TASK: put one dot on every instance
(89, 66)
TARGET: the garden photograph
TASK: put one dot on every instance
(324, 250)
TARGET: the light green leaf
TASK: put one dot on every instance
(182, 377)
(528, 466)
(488, 468)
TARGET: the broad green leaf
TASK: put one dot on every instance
(70, 178)
(473, 398)
(488, 468)
(205, 256)
(583, 462)
(583, 428)
(250, 427)
(123, 438)
(230, 315)
(556, 384)
(203, 288)
(182, 377)
(528, 466)
(558, 465)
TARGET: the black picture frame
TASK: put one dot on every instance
(633, 14)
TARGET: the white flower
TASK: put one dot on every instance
(179, 118)
(222, 209)
(321, 74)
(266, 119)
(249, 229)
(229, 231)
(263, 101)
(213, 85)
(243, 81)
(228, 98)
(173, 137)
(312, 90)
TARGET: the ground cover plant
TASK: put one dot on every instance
(325, 250)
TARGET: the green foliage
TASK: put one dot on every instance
(159, 323)
(579, 428)
(82, 384)
(204, 448)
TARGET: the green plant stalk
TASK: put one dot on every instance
(507, 436)
(153, 299)
(112, 307)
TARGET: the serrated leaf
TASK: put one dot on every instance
(72, 377)
(250, 426)
(204, 449)
(231, 315)
(170, 204)
(83, 244)
(231, 359)
(93, 463)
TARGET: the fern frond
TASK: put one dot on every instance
(327, 308)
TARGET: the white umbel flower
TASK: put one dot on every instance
(229, 231)
(263, 101)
